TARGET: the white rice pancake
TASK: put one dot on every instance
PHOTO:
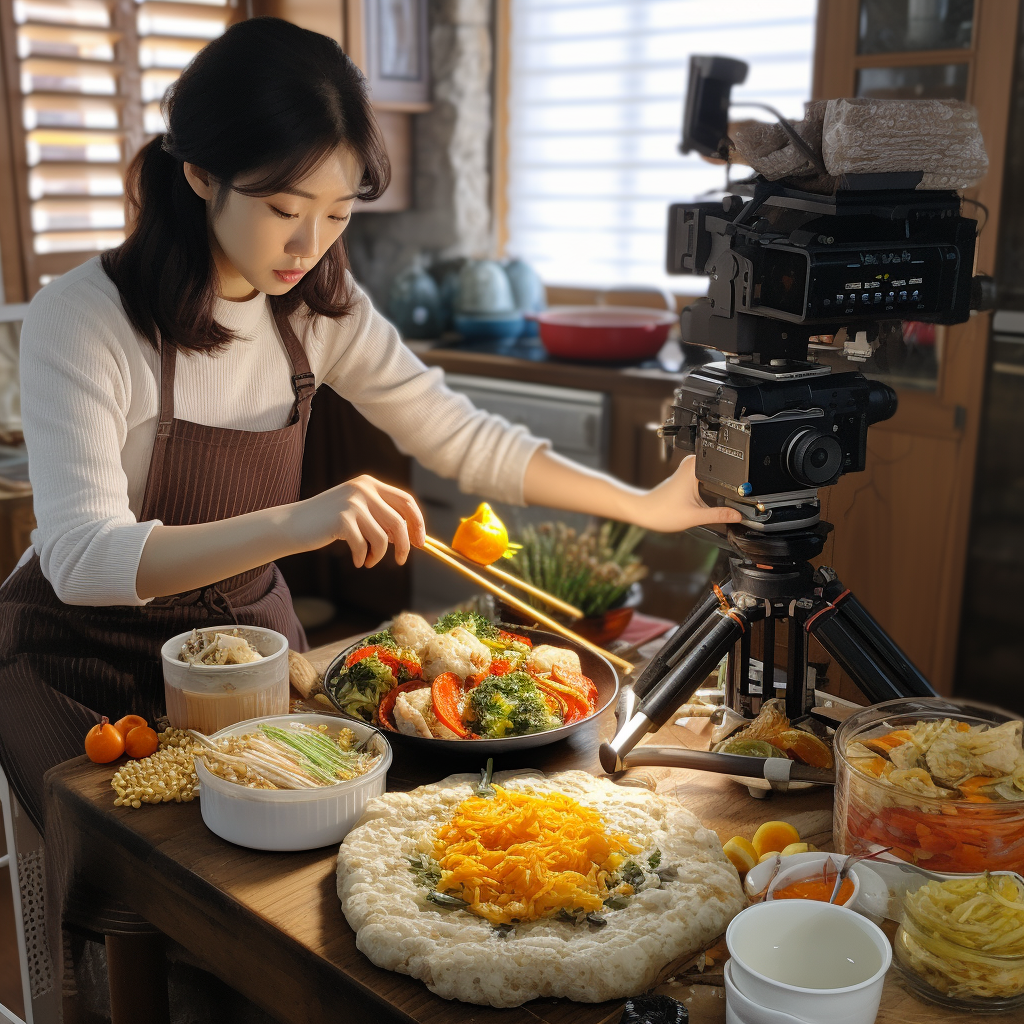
(459, 955)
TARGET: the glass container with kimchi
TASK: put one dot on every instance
(940, 781)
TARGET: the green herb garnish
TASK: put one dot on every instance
(446, 900)
(483, 787)
(426, 870)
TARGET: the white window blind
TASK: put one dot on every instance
(595, 115)
(91, 75)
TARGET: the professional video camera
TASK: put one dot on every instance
(793, 273)
(787, 268)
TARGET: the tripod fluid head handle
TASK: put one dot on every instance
(713, 639)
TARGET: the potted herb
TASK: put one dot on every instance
(596, 569)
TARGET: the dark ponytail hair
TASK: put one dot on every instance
(266, 97)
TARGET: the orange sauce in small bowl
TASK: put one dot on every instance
(814, 889)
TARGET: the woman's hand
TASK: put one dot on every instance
(365, 513)
(675, 504)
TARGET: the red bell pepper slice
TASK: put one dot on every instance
(499, 667)
(578, 681)
(556, 704)
(446, 696)
(577, 706)
(509, 637)
(385, 710)
(401, 668)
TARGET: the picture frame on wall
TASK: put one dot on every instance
(396, 51)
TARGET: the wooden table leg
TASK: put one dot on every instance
(137, 975)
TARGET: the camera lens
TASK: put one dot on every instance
(813, 458)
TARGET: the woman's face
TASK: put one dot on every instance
(266, 243)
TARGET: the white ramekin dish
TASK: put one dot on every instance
(804, 939)
(211, 697)
(870, 893)
(289, 819)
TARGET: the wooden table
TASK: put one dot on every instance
(270, 924)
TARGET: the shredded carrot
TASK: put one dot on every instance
(519, 857)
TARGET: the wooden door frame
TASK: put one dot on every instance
(953, 410)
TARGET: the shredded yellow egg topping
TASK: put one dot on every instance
(516, 857)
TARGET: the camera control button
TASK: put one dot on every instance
(891, 297)
(865, 297)
(840, 299)
(878, 297)
(903, 296)
(915, 296)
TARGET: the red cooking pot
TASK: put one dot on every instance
(604, 334)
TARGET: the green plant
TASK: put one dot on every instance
(591, 569)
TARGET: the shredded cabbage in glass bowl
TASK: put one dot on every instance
(961, 941)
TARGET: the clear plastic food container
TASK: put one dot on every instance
(947, 835)
(291, 819)
(211, 697)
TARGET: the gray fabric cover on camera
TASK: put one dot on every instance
(871, 136)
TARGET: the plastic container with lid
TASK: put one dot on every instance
(211, 697)
(290, 819)
(947, 835)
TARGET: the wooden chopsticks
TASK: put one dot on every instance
(514, 581)
(438, 551)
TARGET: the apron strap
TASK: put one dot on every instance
(167, 361)
(303, 380)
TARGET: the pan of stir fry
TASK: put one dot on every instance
(468, 684)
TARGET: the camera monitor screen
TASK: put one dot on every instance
(784, 281)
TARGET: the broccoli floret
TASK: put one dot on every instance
(360, 688)
(473, 621)
(509, 706)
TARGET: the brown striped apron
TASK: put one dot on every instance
(62, 666)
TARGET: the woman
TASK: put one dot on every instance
(166, 388)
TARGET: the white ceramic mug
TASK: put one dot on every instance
(815, 961)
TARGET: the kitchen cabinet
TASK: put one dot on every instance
(900, 541)
(394, 58)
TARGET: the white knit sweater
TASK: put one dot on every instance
(90, 400)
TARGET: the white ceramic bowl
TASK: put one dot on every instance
(816, 961)
(870, 891)
(796, 868)
(288, 819)
(212, 697)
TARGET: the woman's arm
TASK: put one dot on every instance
(365, 513)
(671, 506)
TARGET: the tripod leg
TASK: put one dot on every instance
(859, 660)
(908, 677)
(684, 636)
(720, 632)
(798, 700)
(768, 656)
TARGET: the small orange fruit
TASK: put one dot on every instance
(141, 742)
(103, 743)
(774, 835)
(129, 722)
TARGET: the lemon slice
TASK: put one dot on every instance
(774, 835)
(741, 853)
